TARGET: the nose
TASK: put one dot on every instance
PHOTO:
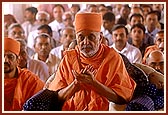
(118, 37)
(86, 41)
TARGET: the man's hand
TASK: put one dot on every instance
(86, 75)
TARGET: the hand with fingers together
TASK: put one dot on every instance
(86, 75)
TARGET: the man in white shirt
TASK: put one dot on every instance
(35, 66)
(57, 24)
(108, 23)
(120, 44)
(30, 20)
(67, 35)
(42, 48)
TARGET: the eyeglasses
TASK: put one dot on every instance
(11, 57)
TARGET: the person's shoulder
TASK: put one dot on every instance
(25, 23)
(37, 62)
(110, 51)
(26, 75)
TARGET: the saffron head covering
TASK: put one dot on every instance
(88, 21)
(12, 45)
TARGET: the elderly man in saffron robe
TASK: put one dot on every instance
(92, 74)
(19, 84)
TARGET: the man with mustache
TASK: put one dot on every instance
(120, 44)
(19, 84)
(42, 48)
(92, 74)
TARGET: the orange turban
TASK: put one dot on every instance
(88, 21)
(12, 45)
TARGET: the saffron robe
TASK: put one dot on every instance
(111, 72)
(148, 50)
(18, 90)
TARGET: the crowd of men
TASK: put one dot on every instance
(82, 57)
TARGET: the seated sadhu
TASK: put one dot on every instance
(19, 84)
(92, 74)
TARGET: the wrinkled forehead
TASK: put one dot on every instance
(87, 32)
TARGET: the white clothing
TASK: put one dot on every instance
(52, 62)
(56, 26)
(57, 51)
(132, 53)
(28, 27)
(39, 68)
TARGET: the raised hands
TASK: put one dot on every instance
(86, 75)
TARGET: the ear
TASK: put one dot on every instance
(101, 37)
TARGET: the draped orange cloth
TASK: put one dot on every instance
(111, 72)
(147, 52)
(18, 90)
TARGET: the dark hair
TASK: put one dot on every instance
(146, 5)
(110, 8)
(109, 16)
(44, 35)
(76, 5)
(47, 27)
(56, 5)
(156, 13)
(33, 10)
(141, 26)
(118, 26)
(136, 15)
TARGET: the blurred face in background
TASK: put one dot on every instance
(57, 13)
(43, 19)
(16, 33)
(67, 36)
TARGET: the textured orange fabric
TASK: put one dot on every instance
(111, 72)
(25, 86)
(88, 21)
(12, 45)
(147, 52)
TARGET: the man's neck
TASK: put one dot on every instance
(42, 58)
(120, 47)
(136, 43)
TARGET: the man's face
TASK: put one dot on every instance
(67, 36)
(16, 33)
(159, 38)
(67, 20)
(43, 46)
(136, 20)
(58, 12)
(119, 38)
(88, 42)
(22, 60)
(10, 62)
(156, 61)
(151, 21)
(29, 16)
(108, 25)
(137, 34)
(43, 19)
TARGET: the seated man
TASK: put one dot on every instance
(89, 73)
(19, 84)
(156, 60)
(159, 45)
